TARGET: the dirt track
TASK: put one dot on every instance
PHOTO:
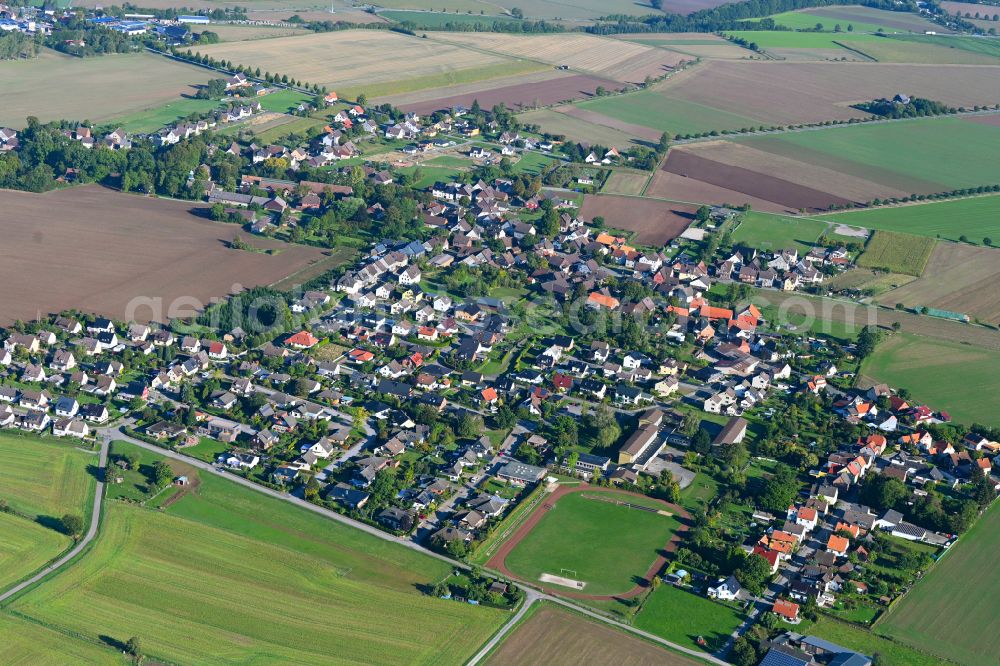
(499, 559)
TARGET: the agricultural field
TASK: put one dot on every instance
(983, 46)
(630, 538)
(45, 478)
(525, 91)
(869, 281)
(425, 20)
(950, 612)
(949, 50)
(278, 582)
(897, 253)
(657, 111)
(555, 636)
(155, 255)
(958, 278)
(625, 182)
(244, 33)
(54, 86)
(42, 480)
(621, 61)
(764, 231)
(151, 120)
(653, 222)
(976, 218)
(551, 120)
(701, 45)
(681, 616)
(943, 374)
(969, 11)
(785, 39)
(22, 638)
(822, 91)
(863, 19)
(890, 652)
(813, 170)
(375, 62)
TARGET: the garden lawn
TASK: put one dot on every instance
(945, 375)
(207, 449)
(975, 218)
(681, 616)
(952, 611)
(242, 577)
(601, 543)
(428, 175)
(897, 253)
(765, 231)
(44, 477)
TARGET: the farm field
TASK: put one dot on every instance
(280, 583)
(625, 182)
(22, 638)
(785, 39)
(155, 254)
(622, 61)
(869, 281)
(243, 33)
(958, 278)
(975, 218)
(773, 232)
(284, 101)
(552, 635)
(984, 46)
(959, 592)
(150, 120)
(44, 477)
(702, 45)
(528, 90)
(653, 109)
(822, 91)
(891, 653)
(629, 538)
(363, 63)
(653, 222)
(681, 616)
(945, 375)
(863, 19)
(26, 547)
(429, 20)
(813, 170)
(54, 86)
(907, 48)
(897, 253)
(578, 129)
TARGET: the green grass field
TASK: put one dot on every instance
(230, 573)
(807, 21)
(897, 253)
(989, 47)
(774, 232)
(300, 126)
(786, 39)
(26, 546)
(976, 218)
(161, 116)
(656, 110)
(951, 612)
(891, 653)
(681, 616)
(428, 175)
(944, 375)
(450, 161)
(27, 642)
(44, 477)
(606, 545)
(284, 101)
(938, 154)
(533, 164)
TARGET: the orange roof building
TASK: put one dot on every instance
(302, 340)
(838, 545)
(489, 394)
(788, 610)
(602, 300)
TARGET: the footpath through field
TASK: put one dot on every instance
(499, 560)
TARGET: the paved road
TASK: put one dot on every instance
(530, 597)
(95, 519)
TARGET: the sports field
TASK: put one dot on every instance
(376, 62)
(975, 218)
(558, 637)
(945, 375)
(958, 278)
(54, 86)
(897, 253)
(764, 231)
(681, 616)
(587, 538)
(952, 611)
(227, 574)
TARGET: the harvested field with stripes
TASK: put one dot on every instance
(653, 222)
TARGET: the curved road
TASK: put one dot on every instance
(531, 595)
(95, 519)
